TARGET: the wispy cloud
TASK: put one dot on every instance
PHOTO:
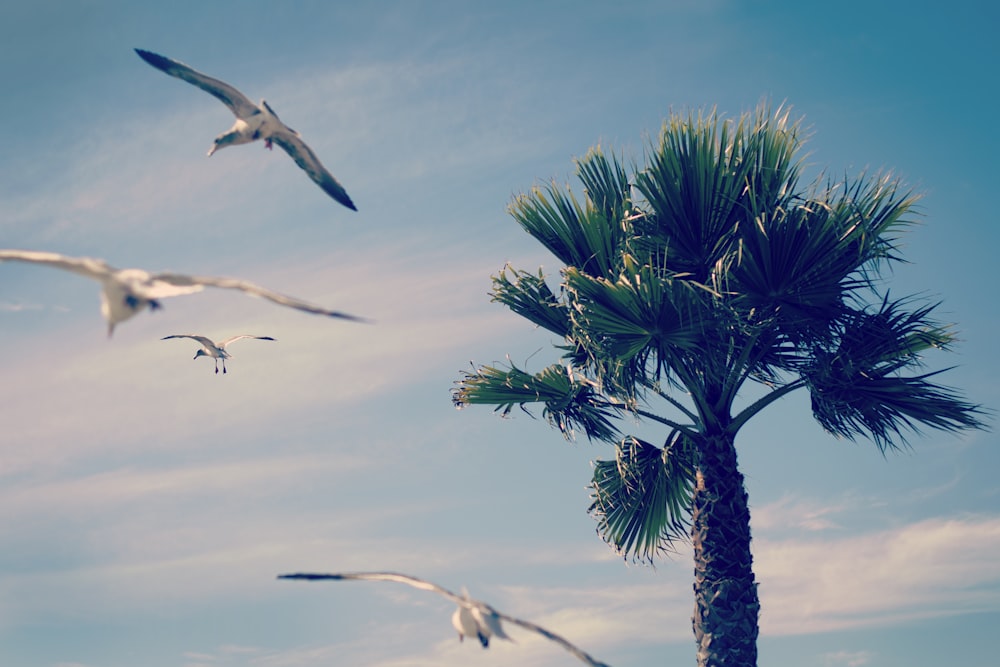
(8, 307)
(931, 568)
(847, 658)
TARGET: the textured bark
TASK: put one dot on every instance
(726, 603)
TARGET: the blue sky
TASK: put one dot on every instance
(146, 504)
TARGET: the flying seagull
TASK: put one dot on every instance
(125, 292)
(252, 123)
(217, 351)
(472, 618)
(472, 621)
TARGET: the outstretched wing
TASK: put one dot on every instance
(95, 269)
(223, 343)
(207, 342)
(181, 280)
(237, 102)
(307, 160)
(380, 576)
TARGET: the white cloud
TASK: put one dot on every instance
(847, 658)
(931, 568)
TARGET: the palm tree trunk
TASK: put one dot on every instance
(726, 603)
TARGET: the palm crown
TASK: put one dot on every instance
(687, 276)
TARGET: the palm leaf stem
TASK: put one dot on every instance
(762, 403)
(739, 370)
(674, 402)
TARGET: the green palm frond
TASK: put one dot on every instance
(701, 172)
(642, 499)
(768, 155)
(880, 209)
(795, 265)
(691, 193)
(801, 261)
(858, 388)
(640, 319)
(606, 184)
(570, 400)
(530, 297)
(578, 234)
(882, 407)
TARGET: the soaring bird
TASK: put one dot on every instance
(125, 292)
(472, 618)
(217, 351)
(253, 122)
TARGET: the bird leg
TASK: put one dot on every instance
(269, 144)
(216, 366)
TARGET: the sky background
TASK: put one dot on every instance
(146, 504)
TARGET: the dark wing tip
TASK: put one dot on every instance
(337, 191)
(309, 577)
(155, 59)
(352, 318)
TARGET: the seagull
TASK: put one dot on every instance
(215, 350)
(125, 292)
(472, 621)
(253, 122)
(472, 618)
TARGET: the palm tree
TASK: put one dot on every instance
(684, 278)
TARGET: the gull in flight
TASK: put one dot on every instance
(217, 351)
(472, 618)
(474, 621)
(253, 122)
(125, 292)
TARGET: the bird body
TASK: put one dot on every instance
(125, 292)
(217, 351)
(476, 620)
(466, 625)
(253, 122)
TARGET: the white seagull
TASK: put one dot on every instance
(125, 292)
(217, 351)
(473, 618)
(252, 123)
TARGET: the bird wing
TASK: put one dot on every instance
(180, 280)
(307, 160)
(207, 342)
(223, 343)
(381, 576)
(95, 269)
(237, 102)
(142, 283)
